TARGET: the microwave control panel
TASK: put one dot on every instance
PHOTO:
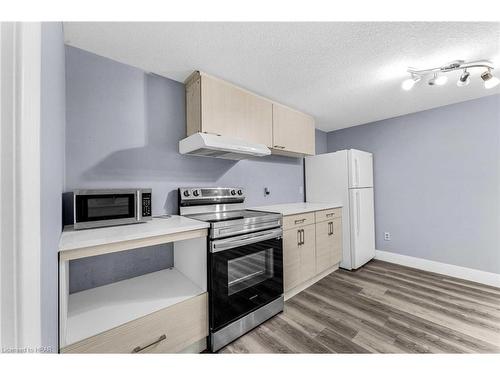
(146, 204)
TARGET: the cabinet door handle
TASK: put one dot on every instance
(303, 236)
(330, 228)
(298, 237)
(300, 221)
(138, 349)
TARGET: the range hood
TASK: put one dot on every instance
(217, 146)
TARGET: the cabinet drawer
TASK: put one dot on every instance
(165, 331)
(300, 220)
(328, 214)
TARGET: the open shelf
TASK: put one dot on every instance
(97, 310)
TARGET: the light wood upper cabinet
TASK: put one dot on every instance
(218, 107)
(293, 132)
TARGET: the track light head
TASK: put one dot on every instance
(464, 79)
(409, 83)
(437, 80)
(489, 80)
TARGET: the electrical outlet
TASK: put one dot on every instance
(387, 236)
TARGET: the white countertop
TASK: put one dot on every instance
(296, 208)
(76, 239)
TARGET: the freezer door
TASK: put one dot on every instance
(362, 222)
(360, 169)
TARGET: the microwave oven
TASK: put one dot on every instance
(93, 208)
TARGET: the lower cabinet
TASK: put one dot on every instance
(298, 255)
(328, 244)
(169, 330)
(312, 249)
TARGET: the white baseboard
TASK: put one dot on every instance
(478, 276)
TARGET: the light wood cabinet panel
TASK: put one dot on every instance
(293, 132)
(169, 330)
(218, 107)
(337, 238)
(324, 245)
(312, 248)
(327, 214)
(291, 258)
(328, 244)
(300, 220)
(308, 253)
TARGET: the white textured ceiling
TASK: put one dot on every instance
(342, 73)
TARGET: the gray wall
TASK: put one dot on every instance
(105, 269)
(123, 128)
(321, 142)
(52, 172)
(437, 181)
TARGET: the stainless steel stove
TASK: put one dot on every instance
(245, 261)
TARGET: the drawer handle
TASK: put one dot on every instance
(278, 146)
(330, 228)
(138, 349)
(300, 237)
(330, 215)
(300, 221)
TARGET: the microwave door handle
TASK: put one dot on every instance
(231, 243)
(138, 205)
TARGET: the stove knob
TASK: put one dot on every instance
(196, 193)
(233, 192)
(240, 192)
(186, 193)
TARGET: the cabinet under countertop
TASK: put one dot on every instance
(312, 242)
(163, 311)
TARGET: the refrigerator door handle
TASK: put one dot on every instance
(358, 214)
(356, 171)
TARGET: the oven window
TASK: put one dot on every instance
(249, 270)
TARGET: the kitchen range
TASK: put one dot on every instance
(245, 261)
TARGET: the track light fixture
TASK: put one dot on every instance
(438, 78)
(464, 79)
(409, 83)
(489, 80)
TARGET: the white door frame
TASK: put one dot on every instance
(20, 237)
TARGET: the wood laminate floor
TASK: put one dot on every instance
(382, 308)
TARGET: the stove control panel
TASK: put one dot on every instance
(208, 195)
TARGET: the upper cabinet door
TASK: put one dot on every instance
(293, 132)
(233, 112)
(218, 107)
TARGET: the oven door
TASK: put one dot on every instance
(246, 272)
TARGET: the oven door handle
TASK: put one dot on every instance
(231, 243)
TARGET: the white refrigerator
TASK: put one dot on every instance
(346, 177)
